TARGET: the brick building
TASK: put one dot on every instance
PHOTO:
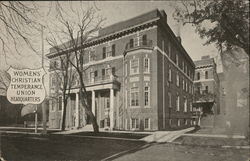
(206, 90)
(139, 77)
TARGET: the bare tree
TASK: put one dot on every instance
(77, 34)
(17, 25)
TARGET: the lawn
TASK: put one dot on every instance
(58, 147)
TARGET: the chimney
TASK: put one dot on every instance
(164, 15)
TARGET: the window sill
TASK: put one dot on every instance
(132, 74)
(134, 106)
(147, 106)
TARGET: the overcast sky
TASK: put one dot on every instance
(118, 11)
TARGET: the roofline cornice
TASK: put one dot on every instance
(109, 37)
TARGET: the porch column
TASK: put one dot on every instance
(111, 112)
(93, 102)
(77, 111)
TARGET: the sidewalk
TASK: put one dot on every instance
(166, 136)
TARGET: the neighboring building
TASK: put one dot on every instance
(10, 114)
(206, 91)
(139, 77)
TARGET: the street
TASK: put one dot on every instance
(19, 147)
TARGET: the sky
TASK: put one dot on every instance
(114, 11)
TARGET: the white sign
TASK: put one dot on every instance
(26, 86)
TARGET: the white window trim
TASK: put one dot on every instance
(148, 65)
(149, 124)
(51, 105)
(147, 106)
(131, 99)
(169, 75)
(132, 73)
(177, 103)
(126, 124)
(131, 128)
(178, 122)
(185, 105)
(61, 104)
(177, 79)
(170, 100)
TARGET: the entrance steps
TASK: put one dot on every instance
(166, 136)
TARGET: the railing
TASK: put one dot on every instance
(136, 44)
(103, 79)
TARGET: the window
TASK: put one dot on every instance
(177, 79)
(146, 95)
(183, 83)
(177, 103)
(134, 66)
(199, 90)
(198, 76)
(91, 55)
(186, 121)
(134, 96)
(92, 77)
(186, 88)
(185, 105)
(104, 52)
(191, 106)
(60, 103)
(178, 122)
(170, 122)
(107, 102)
(144, 40)
(131, 43)
(206, 91)
(146, 65)
(169, 100)
(206, 74)
(169, 49)
(53, 81)
(53, 104)
(177, 59)
(169, 75)
(147, 123)
(126, 124)
(134, 123)
(113, 50)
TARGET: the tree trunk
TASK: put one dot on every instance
(84, 101)
(64, 114)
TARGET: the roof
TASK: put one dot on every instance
(130, 22)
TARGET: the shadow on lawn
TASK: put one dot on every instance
(64, 148)
(127, 152)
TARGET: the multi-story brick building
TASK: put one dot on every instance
(139, 78)
(206, 88)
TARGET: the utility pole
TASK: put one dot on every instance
(36, 119)
(43, 103)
